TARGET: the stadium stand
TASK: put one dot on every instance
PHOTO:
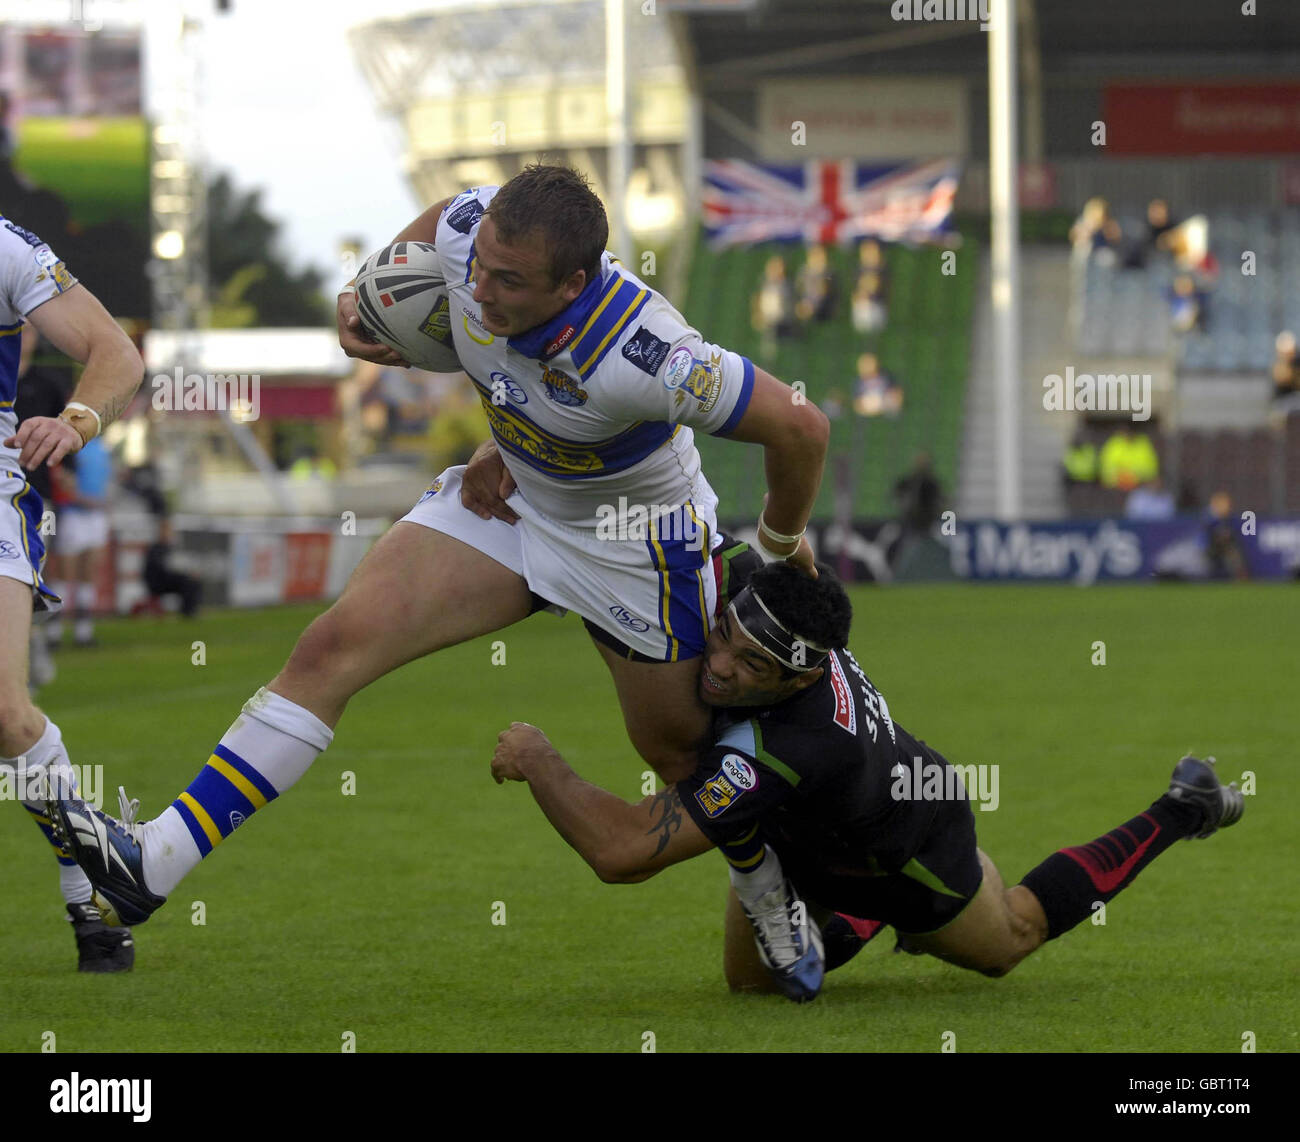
(1126, 310)
(925, 346)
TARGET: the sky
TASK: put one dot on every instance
(287, 109)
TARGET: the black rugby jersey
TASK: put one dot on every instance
(827, 773)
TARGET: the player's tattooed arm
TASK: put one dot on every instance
(111, 409)
(666, 818)
(622, 843)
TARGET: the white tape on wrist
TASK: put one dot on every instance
(770, 556)
(74, 405)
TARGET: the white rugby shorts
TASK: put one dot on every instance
(650, 582)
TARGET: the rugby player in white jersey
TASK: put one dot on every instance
(592, 384)
(36, 286)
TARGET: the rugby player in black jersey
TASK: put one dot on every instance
(805, 789)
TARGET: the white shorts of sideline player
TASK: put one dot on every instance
(655, 594)
(22, 551)
(81, 529)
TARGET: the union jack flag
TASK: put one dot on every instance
(826, 201)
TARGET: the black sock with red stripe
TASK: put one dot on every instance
(1071, 881)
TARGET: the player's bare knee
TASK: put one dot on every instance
(1000, 969)
(19, 720)
(320, 646)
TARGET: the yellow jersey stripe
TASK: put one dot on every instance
(614, 331)
(661, 562)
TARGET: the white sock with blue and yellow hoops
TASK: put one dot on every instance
(270, 746)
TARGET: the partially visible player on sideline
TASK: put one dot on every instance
(592, 384)
(83, 537)
(808, 764)
(35, 284)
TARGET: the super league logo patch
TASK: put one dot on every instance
(734, 778)
(465, 216)
(645, 350)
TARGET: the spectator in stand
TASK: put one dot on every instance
(1128, 459)
(1154, 238)
(1189, 242)
(1159, 224)
(772, 307)
(1186, 305)
(870, 305)
(161, 580)
(815, 288)
(1079, 461)
(1095, 235)
(1223, 549)
(1149, 501)
(1286, 368)
(875, 393)
(833, 405)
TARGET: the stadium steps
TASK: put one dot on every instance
(1044, 287)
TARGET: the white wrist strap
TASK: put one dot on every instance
(776, 536)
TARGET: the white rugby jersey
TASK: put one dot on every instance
(600, 401)
(30, 273)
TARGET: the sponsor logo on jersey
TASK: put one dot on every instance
(646, 351)
(525, 439)
(872, 698)
(701, 379)
(626, 618)
(62, 278)
(236, 818)
(562, 388)
(45, 257)
(464, 218)
(566, 335)
(679, 367)
(26, 235)
(433, 490)
(506, 384)
(739, 772)
(846, 716)
(9, 551)
(716, 794)
(438, 324)
(472, 318)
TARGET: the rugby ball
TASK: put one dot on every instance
(402, 301)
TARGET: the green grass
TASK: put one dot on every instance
(372, 913)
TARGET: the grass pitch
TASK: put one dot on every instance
(372, 913)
